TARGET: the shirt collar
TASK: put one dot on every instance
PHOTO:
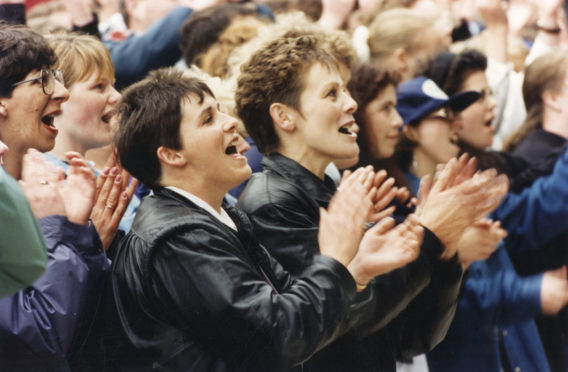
(223, 216)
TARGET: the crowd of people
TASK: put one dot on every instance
(323, 185)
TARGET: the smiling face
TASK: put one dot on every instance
(382, 123)
(475, 129)
(84, 124)
(324, 123)
(211, 145)
(28, 116)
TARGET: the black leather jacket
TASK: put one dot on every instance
(283, 203)
(192, 294)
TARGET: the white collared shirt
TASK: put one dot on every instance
(223, 216)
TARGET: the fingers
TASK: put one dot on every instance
(383, 226)
(377, 216)
(107, 186)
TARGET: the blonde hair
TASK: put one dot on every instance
(81, 56)
(397, 28)
(546, 73)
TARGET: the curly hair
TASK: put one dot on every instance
(367, 82)
(203, 28)
(21, 52)
(276, 73)
(150, 117)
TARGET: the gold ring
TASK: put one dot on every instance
(43, 182)
(109, 206)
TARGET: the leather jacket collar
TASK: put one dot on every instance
(320, 191)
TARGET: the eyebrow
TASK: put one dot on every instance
(205, 111)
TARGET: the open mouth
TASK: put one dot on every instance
(48, 120)
(232, 149)
(106, 117)
(350, 129)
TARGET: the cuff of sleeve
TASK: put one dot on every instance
(344, 276)
(531, 288)
(431, 248)
(59, 229)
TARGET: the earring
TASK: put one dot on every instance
(414, 164)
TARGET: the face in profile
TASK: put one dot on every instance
(382, 123)
(324, 121)
(212, 147)
(29, 112)
(475, 128)
(87, 115)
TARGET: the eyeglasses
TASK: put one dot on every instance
(47, 78)
(447, 115)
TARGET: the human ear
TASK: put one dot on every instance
(3, 108)
(171, 157)
(282, 117)
(400, 58)
(550, 99)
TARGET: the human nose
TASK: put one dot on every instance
(397, 119)
(230, 123)
(60, 93)
(350, 106)
(114, 96)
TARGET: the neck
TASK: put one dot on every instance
(554, 123)
(307, 159)
(13, 163)
(422, 164)
(64, 144)
(211, 195)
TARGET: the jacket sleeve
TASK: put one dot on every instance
(498, 295)
(137, 55)
(426, 320)
(22, 253)
(39, 322)
(229, 303)
(538, 213)
(291, 235)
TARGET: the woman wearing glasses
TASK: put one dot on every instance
(85, 124)
(429, 136)
(39, 323)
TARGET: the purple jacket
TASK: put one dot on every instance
(38, 324)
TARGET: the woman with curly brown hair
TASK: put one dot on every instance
(294, 104)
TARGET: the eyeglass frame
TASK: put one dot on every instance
(47, 78)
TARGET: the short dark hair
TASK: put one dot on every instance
(21, 51)
(150, 117)
(367, 81)
(275, 73)
(450, 70)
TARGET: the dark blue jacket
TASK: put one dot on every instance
(158, 47)
(39, 323)
(497, 303)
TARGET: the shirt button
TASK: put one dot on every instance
(517, 369)
(505, 335)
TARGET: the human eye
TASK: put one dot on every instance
(332, 93)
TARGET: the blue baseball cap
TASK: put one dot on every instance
(420, 96)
